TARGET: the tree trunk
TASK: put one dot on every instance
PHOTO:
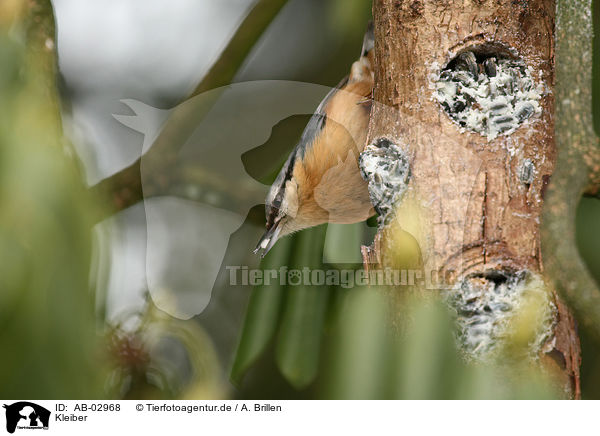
(478, 197)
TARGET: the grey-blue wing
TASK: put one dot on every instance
(311, 131)
(317, 122)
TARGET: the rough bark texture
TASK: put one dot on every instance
(476, 214)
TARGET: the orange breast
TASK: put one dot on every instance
(330, 188)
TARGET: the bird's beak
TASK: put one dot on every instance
(268, 239)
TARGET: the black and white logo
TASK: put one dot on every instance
(26, 415)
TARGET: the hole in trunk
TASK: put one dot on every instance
(488, 90)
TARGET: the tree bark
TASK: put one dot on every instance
(477, 214)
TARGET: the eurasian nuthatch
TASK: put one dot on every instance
(320, 181)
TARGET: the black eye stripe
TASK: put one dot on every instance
(275, 206)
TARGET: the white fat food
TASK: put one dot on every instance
(492, 105)
(485, 311)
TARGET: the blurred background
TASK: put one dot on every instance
(116, 312)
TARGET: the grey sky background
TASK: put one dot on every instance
(156, 52)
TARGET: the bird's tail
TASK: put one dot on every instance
(369, 39)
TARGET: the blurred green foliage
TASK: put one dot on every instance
(364, 356)
(374, 358)
(48, 329)
(368, 343)
(54, 344)
(263, 314)
(588, 236)
(296, 314)
(300, 341)
(156, 356)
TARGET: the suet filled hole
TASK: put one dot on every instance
(488, 90)
(386, 168)
(487, 303)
